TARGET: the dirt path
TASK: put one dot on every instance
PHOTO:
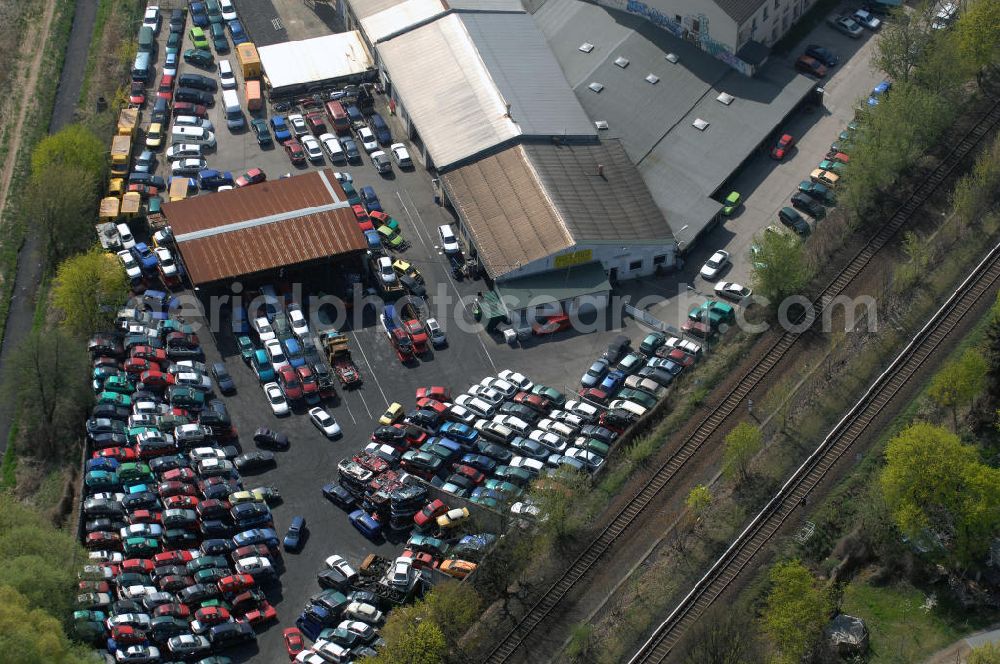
(958, 651)
(27, 89)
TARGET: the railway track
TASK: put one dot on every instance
(666, 472)
(981, 282)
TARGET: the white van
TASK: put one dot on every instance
(196, 135)
(333, 147)
(630, 406)
(226, 75)
(233, 110)
(128, 241)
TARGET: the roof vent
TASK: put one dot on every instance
(652, 78)
(672, 57)
(601, 124)
(621, 62)
(586, 47)
(700, 124)
(596, 87)
(725, 98)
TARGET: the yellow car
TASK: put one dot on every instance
(392, 414)
(825, 178)
(452, 518)
(154, 136)
(457, 568)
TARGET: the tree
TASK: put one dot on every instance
(453, 607)
(428, 631)
(741, 445)
(722, 636)
(796, 610)
(976, 192)
(902, 41)
(62, 205)
(89, 289)
(978, 32)
(993, 350)
(959, 382)
(560, 498)
(935, 486)
(51, 405)
(780, 267)
(698, 500)
(31, 635)
(988, 653)
(75, 147)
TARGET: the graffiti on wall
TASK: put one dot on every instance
(693, 29)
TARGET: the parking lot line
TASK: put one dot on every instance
(364, 402)
(348, 406)
(416, 228)
(357, 335)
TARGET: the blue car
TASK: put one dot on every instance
(213, 179)
(479, 462)
(296, 531)
(102, 463)
(144, 256)
(879, 91)
(238, 33)
(595, 374)
(365, 524)
(293, 351)
(350, 148)
(280, 126)
(374, 240)
(463, 433)
(612, 381)
(256, 536)
(198, 14)
(370, 200)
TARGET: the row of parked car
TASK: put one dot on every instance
(179, 548)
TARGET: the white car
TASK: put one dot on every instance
(549, 440)
(333, 146)
(140, 621)
(343, 177)
(867, 19)
(487, 394)
(193, 121)
(310, 657)
(125, 235)
(385, 271)
(313, 150)
(226, 76)
(461, 414)
(202, 453)
(533, 466)
(449, 243)
(151, 19)
(324, 422)
(187, 645)
(506, 388)
(254, 566)
(194, 380)
(476, 406)
(715, 265)
(367, 139)
(519, 426)
(189, 166)
(363, 612)
(400, 572)
(338, 563)
(138, 655)
(136, 592)
(434, 331)
(166, 261)
(400, 154)
(592, 460)
(183, 151)
(298, 124)
(228, 10)
(297, 320)
(732, 291)
(209, 467)
(517, 378)
(132, 269)
(584, 410)
(264, 330)
(276, 398)
(277, 354)
(526, 509)
(571, 419)
(328, 651)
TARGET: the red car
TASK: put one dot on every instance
(809, 65)
(180, 502)
(535, 402)
(253, 176)
(156, 379)
(432, 404)
(137, 93)
(361, 215)
(421, 559)
(126, 635)
(166, 89)
(437, 393)
(310, 385)
(103, 540)
(838, 156)
(470, 474)
(180, 475)
(122, 454)
(289, 382)
(265, 614)
(173, 609)
(107, 362)
(187, 108)
(431, 511)
(295, 152)
(316, 122)
(781, 148)
(167, 489)
(144, 190)
(172, 558)
(157, 355)
(551, 325)
(294, 644)
(696, 329)
(94, 587)
(236, 583)
(144, 516)
(173, 583)
(213, 508)
(594, 394)
(251, 550)
(681, 358)
(139, 565)
(212, 615)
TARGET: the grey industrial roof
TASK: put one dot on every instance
(554, 286)
(740, 10)
(682, 166)
(484, 65)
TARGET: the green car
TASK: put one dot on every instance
(845, 135)
(170, 325)
(219, 41)
(206, 562)
(212, 575)
(115, 399)
(485, 501)
(186, 397)
(263, 133)
(101, 479)
(637, 396)
(717, 313)
(135, 472)
(120, 384)
(85, 615)
(199, 57)
(218, 603)
(595, 446)
(198, 38)
(831, 165)
(431, 545)
(174, 42)
(652, 341)
(245, 346)
(391, 238)
(517, 476)
(352, 196)
(140, 547)
(550, 393)
(731, 204)
(509, 490)
(817, 191)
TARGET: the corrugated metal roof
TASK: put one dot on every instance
(248, 248)
(612, 206)
(511, 219)
(294, 63)
(364, 8)
(401, 17)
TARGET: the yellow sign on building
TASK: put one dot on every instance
(574, 258)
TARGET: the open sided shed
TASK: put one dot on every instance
(296, 67)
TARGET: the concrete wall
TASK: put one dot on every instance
(620, 258)
(773, 20)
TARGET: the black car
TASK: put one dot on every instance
(160, 112)
(216, 547)
(177, 20)
(147, 178)
(598, 432)
(424, 418)
(222, 377)
(250, 512)
(789, 217)
(412, 285)
(194, 96)
(104, 523)
(823, 54)
(657, 375)
(519, 410)
(339, 496)
(335, 579)
(102, 440)
(254, 460)
(198, 82)
(494, 451)
(617, 349)
(262, 132)
(197, 593)
(389, 434)
(105, 345)
(267, 438)
(109, 411)
(215, 528)
(144, 500)
(808, 205)
(160, 465)
(230, 634)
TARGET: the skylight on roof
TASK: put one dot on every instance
(601, 124)
(672, 58)
(621, 62)
(586, 47)
(725, 98)
(596, 87)
(652, 78)
(700, 124)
